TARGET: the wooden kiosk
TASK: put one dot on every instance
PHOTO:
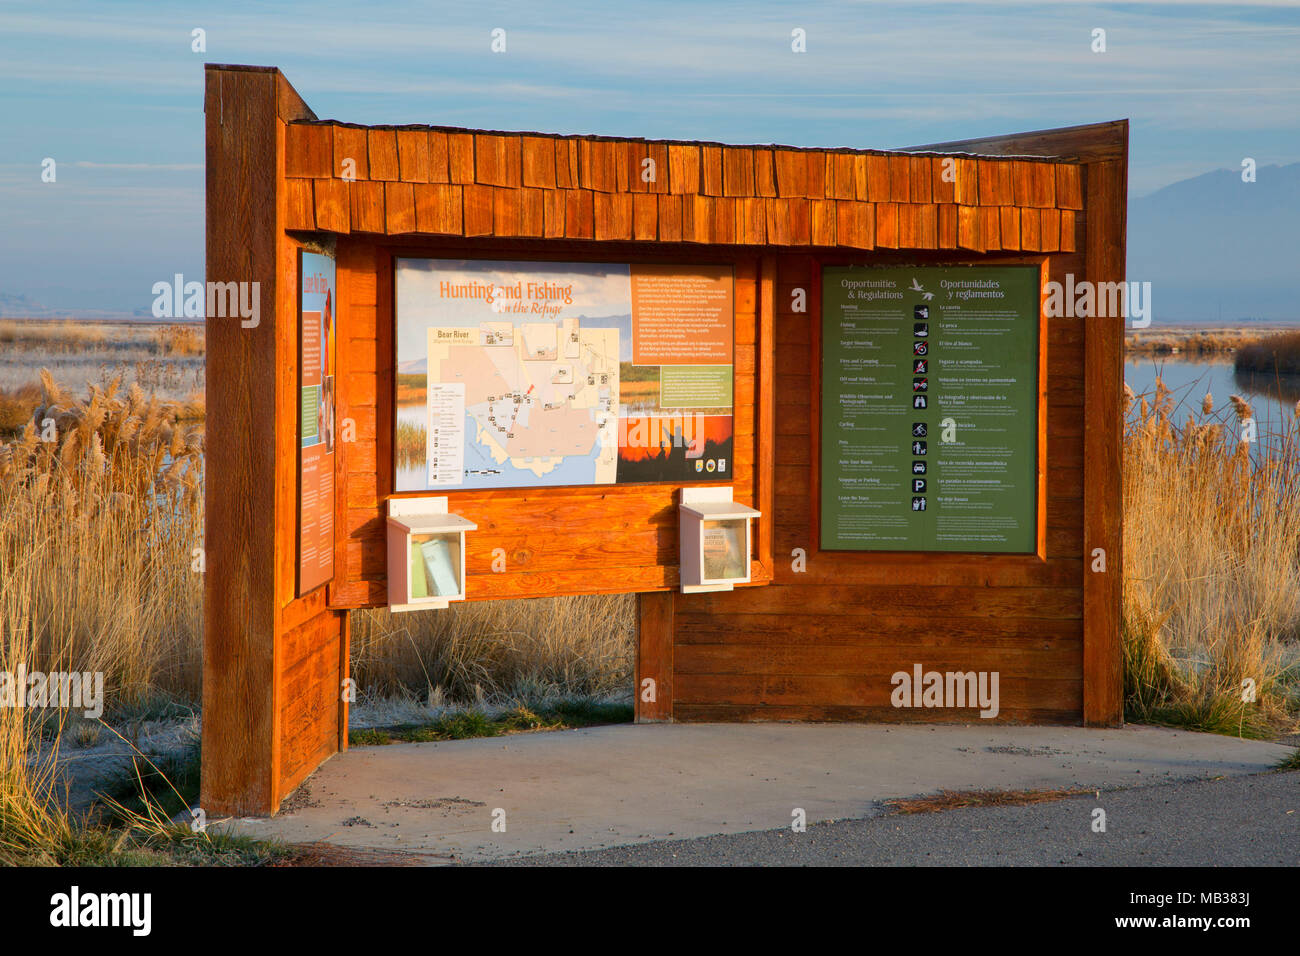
(825, 618)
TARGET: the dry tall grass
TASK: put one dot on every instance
(100, 508)
(1212, 567)
(16, 407)
(69, 335)
(1189, 341)
(188, 339)
(1275, 355)
(499, 651)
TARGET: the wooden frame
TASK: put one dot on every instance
(810, 643)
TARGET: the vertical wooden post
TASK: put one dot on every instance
(1103, 479)
(345, 672)
(654, 656)
(251, 460)
(765, 452)
(239, 600)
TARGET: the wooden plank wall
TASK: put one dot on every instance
(311, 644)
(823, 643)
(310, 636)
(573, 540)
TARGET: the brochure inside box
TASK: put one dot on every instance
(435, 565)
(726, 554)
(715, 540)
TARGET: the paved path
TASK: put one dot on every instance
(612, 786)
(1227, 821)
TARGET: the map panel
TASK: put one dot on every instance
(518, 374)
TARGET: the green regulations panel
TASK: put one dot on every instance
(929, 413)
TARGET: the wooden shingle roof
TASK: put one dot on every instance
(423, 180)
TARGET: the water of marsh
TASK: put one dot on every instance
(1272, 397)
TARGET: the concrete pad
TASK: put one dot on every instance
(610, 786)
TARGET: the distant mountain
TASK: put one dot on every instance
(20, 307)
(15, 306)
(1215, 247)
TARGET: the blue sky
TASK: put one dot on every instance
(113, 92)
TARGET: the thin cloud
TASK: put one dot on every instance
(181, 167)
